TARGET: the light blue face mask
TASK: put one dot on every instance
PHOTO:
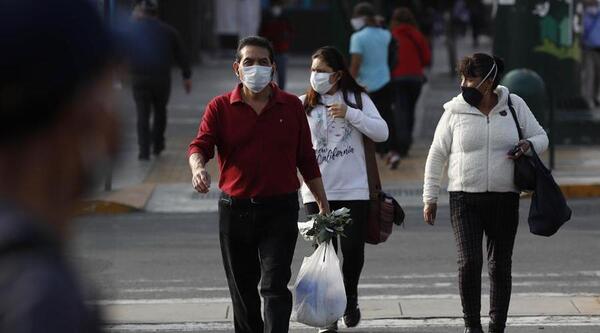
(256, 78)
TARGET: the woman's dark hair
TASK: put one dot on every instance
(479, 64)
(403, 15)
(334, 59)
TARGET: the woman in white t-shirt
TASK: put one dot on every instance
(339, 113)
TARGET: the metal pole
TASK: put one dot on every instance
(551, 128)
(108, 14)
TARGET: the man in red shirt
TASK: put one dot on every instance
(263, 138)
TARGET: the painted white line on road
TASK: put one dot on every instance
(172, 289)
(371, 297)
(372, 286)
(547, 321)
(455, 274)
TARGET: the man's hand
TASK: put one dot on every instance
(429, 213)
(324, 208)
(338, 110)
(187, 85)
(201, 180)
(521, 148)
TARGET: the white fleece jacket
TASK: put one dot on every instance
(338, 144)
(475, 146)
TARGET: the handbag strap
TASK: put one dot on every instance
(370, 155)
(514, 115)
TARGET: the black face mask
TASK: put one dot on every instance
(472, 95)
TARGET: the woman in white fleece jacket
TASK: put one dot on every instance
(337, 123)
(474, 136)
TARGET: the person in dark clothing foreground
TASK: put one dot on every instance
(56, 126)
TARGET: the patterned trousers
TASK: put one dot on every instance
(497, 216)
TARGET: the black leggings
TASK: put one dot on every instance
(353, 245)
(497, 216)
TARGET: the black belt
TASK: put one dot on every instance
(259, 201)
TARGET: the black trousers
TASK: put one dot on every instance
(406, 94)
(257, 244)
(382, 99)
(151, 97)
(497, 216)
(353, 245)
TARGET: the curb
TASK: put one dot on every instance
(580, 191)
(127, 200)
(100, 207)
(135, 199)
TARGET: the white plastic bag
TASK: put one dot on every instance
(320, 297)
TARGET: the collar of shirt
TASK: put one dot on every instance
(276, 95)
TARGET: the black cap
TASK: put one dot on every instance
(49, 50)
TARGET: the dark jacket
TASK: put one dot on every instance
(157, 46)
(38, 291)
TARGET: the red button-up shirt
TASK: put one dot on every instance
(257, 154)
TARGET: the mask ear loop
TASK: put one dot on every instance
(488, 74)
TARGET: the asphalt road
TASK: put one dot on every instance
(174, 256)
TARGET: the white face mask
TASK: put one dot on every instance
(256, 78)
(276, 11)
(320, 82)
(357, 23)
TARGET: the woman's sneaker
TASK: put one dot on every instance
(352, 313)
(329, 329)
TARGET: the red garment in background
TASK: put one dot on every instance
(279, 31)
(413, 51)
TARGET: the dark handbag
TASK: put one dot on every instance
(548, 210)
(525, 175)
(384, 210)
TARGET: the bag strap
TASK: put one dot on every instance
(373, 178)
(357, 98)
(514, 115)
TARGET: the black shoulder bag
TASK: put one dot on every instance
(548, 210)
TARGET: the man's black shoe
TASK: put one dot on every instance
(473, 330)
(352, 313)
(158, 148)
(143, 156)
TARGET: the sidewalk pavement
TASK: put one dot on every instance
(164, 184)
(583, 308)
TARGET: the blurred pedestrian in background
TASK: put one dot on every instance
(277, 28)
(474, 138)
(477, 18)
(369, 66)
(413, 55)
(591, 52)
(151, 62)
(56, 130)
(340, 113)
(263, 140)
